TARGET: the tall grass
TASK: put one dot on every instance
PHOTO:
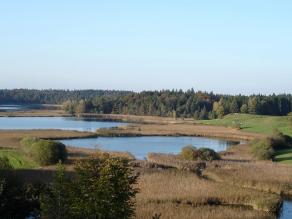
(175, 161)
(262, 176)
(177, 187)
(178, 211)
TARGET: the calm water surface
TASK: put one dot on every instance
(141, 146)
(10, 108)
(286, 210)
(62, 123)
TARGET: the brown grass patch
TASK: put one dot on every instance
(177, 129)
(178, 211)
(263, 176)
(239, 152)
(172, 186)
(175, 161)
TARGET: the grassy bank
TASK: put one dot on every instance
(17, 159)
(253, 123)
(284, 156)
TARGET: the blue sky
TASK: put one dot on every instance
(242, 46)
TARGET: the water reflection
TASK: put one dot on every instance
(141, 146)
(62, 123)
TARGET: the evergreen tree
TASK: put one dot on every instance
(252, 105)
(55, 202)
(104, 188)
(244, 108)
(234, 107)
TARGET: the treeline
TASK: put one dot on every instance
(171, 103)
(31, 96)
(189, 104)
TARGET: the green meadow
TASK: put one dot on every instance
(254, 123)
(17, 159)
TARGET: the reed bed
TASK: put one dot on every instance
(180, 129)
(263, 176)
(240, 153)
(175, 161)
(178, 211)
(181, 187)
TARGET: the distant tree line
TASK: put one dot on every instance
(189, 104)
(31, 96)
(171, 103)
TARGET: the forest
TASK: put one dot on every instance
(170, 103)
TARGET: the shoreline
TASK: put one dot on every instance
(144, 126)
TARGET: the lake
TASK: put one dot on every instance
(63, 123)
(141, 146)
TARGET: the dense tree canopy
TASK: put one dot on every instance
(30, 96)
(172, 103)
(190, 104)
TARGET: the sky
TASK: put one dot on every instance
(242, 46)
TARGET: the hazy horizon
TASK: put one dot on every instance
(225, 47)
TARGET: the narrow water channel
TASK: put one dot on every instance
(286, 212)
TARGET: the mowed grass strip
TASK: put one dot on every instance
(254, 123)
(284, 156)
(17, 159)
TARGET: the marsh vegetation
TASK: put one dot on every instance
(193, 183)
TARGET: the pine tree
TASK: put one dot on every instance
(233, 107)
(55, 202)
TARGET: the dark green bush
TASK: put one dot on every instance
(206, 154)
(280, 141)
(44, 152)
(202, 154)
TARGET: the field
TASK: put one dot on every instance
(284, 156)
(253, 123)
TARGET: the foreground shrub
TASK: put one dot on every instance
(44, 152)
(201, 154)
(17, 199)
(262, 149)
(5, 164)
(103, 187)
